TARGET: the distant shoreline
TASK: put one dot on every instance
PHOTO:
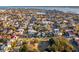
(73, 9)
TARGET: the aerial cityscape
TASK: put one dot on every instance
(39, 29)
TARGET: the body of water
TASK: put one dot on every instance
(74, 9)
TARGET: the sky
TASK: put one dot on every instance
(74, 9)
